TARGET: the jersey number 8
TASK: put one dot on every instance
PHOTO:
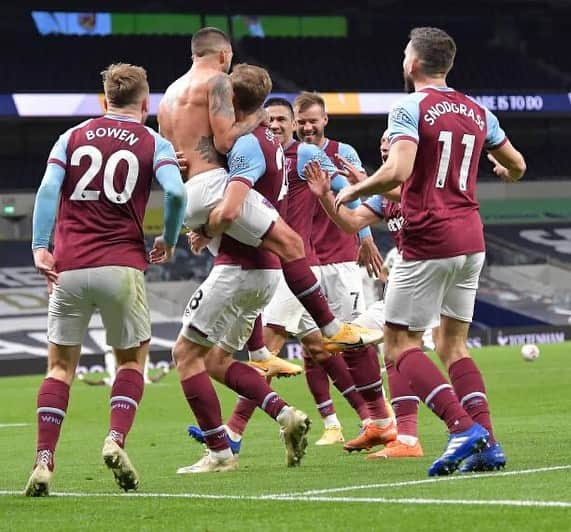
(81, 194)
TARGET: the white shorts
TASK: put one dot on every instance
(286, 311)
(223, 309)
(342, 285)
(204, 191)
(119, 294)
(419, 291)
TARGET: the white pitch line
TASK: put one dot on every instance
(431, 480)
(285, 498)
(10, 425)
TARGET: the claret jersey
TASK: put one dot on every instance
(439, 204)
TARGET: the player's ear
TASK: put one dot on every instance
(145, 105)
(325, 118)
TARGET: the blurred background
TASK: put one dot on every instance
(513, 56)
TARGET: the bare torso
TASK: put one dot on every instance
(184, 120)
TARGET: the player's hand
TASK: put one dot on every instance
(197, 242)
(45, 263)
(161, 251)
(318, 180)
(182, 163)
(346, 195)
(370, 257)
(350, 171)
(501, 171)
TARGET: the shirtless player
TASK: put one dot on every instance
(197, 116)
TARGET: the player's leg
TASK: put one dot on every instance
(405, 405)
(272, 341)
(248, 383)
(119, 293)
(344, 289)
(256, 290)
(266, 359)
(413, 302)
(126, 395)
(205, 312)
(465, 376)
(334, 367)
(260, 225)
(69, 312)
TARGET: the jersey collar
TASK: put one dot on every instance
(122, 118)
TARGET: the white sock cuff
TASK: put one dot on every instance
(124, 398)
(51, 410)
(469, 396)
(435, 392)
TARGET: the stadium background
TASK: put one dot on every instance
(512, 57)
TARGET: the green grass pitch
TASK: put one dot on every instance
(530, 405)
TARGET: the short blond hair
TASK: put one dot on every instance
(251, 85)
(306, 99)
(124, 84)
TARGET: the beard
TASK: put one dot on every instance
(408, 83)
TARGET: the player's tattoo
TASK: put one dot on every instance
(207, 150)
(221, 96)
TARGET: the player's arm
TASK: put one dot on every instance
(349, 220)
(246, 163)
(225, 128)
(167, 173)
(403, 132)
(45, 210)
(509, 164)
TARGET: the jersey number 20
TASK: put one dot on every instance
(81, 194)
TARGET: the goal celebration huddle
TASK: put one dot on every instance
(286, 211)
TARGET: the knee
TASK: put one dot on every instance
(182, 354)
(216, 363)
(290, 244)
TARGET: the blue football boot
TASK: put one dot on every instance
(196, 434)
(490, 458)
(460, 446)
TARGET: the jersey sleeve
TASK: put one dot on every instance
(45, 207)
(307, 153)
(348, 152)
(495, 135)
(58, 153)
(403, 119)
(164, 152)
(375, 204)
(246, 161)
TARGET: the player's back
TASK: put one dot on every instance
(263, 168)
(184, 120)
(439, 201)
(108, 165)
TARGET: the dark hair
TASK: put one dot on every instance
(435, 49)
(208, 41)
(306, 99)
(251, 85)
(124, 84)
(279, 101)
